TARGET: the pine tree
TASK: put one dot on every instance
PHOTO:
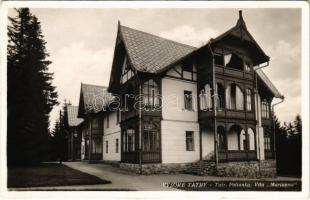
(31, 95)
(298, 125)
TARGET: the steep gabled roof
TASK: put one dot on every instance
(240, 31)
(93, 98)
(73, 119)
(151, 53)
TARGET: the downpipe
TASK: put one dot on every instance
(274, 125)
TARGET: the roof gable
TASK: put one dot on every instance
(241, 32)
(93, 99)
(73, 119)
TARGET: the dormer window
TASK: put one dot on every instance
(151, 94)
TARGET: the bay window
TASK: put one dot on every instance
(129, 140)
(151, 94)
(150, 140)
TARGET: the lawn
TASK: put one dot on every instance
(49, 174)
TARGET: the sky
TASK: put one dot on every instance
(81, 43)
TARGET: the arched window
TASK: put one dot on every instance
(150, 94)
(205, 98)
(251, 136)
(234, 97)
(248, 100)
(239, 99)
(265, 109)
(242, 141)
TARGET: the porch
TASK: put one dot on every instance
(235, 142)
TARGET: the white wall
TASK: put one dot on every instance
(111, 134)
(207, 137)
(174, 142)
(173, 100)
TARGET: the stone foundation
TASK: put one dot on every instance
(209, 168)
(244, 169)
(251, 169)
(157, 168)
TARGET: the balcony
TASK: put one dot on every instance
(230, 114)
(233, 72)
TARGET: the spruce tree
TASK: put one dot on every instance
(31, 95)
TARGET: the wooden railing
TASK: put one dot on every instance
(236, 155)
(151, 157)
(147, 157)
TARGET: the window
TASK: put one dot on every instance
(150, 94)
(265, 109)
(190, 141)
(150, 141)
(248, 100)
(219, 97)
(188, 102)
(96, 145)
(95, 123)
(108, 120)
(107, 146)
(205, 98)
(129, 140)
(234, 98)
(150, 137)
(127, 73)
(116, 145)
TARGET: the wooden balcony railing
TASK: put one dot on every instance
(237, 155)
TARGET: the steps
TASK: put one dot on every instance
(204, 167)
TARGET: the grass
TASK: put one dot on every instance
(49, 174)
